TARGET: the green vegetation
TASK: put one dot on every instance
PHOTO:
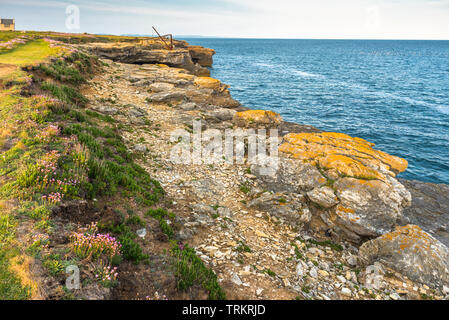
(163, 216)
(29, 53)
(130, 249)
(242, 247)
(10, 285)
(327, 243)
(269, 272)
(190, 270)
(53, 150)
(245, 187)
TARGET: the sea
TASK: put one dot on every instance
(392, 93)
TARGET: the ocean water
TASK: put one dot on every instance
(392, 93)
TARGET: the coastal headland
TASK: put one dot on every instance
(88, 182)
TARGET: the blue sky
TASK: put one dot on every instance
(329, 19)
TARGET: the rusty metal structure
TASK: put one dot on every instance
(165, 38)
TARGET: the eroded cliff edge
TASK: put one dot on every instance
(332, 185)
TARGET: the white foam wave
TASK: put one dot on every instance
(306, 74)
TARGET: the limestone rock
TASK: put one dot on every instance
(135, 54)
(221, 114)
(166, 96)
(323, 196)
(368, 208)
(207, 82)
(136, 112)
(161, 86)
(291, 176)
(282, 205)
(412, 252)
(187, 106)
(429, 208)
(109, 110)
(348, 156)
(366, 200)
(257, 119)
(140, 148)
(202, 56)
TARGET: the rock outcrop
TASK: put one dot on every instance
(412, 252)
(147, 54)
(429, 209)
(257, 119)
(202, 56)
(351, 186)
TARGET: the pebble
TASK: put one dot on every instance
(346, 292)
(142, 233)
(445, 290)
(314, 273)
(235, 279)
(299, 270)
(324, 273)
(395, 296)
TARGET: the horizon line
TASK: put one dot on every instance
(243, 38)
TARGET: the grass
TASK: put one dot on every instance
(29, 53)
(11, 287)
(52, 150)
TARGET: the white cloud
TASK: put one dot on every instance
(412, 19)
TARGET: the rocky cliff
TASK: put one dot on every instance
(330, 221)
(192, 58)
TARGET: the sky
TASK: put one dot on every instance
(303, 19)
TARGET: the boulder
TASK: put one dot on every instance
(368, 208)
(187, 106)
(291, 176)
(108, 110)
(167, 96)
(208, 82)
(221, 114)
(429, 208)
(287, 206)
(412, 252)
(343, 155)
(323, 196)
(257, 119)
(352, 186)
(161, 86)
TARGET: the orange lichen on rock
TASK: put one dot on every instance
(349, 156)
(410, 235)
(257, 118)
(208, 82)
